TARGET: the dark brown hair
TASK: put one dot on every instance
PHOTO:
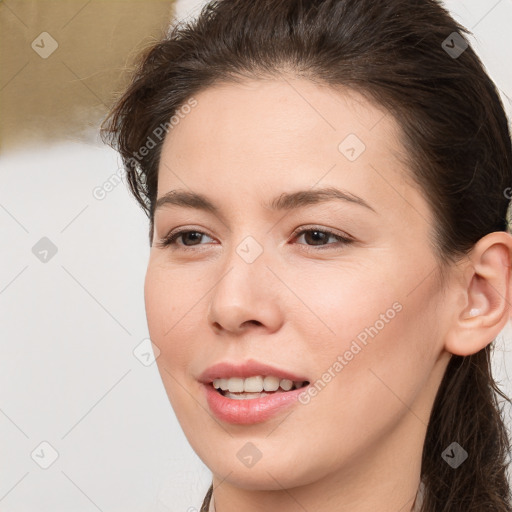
(409, 56)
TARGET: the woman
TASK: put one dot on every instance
(326, 182)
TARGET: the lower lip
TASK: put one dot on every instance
(251, 410)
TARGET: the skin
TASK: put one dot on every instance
(357, 444)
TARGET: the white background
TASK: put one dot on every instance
(68, 327)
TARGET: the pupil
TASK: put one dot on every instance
(191, 233)
(316, 233)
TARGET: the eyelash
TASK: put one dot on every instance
(172, 237)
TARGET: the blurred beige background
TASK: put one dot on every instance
(63, 61)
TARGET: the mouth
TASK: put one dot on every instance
(257, 386)
(251, 391)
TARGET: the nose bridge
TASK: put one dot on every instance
(245, 272)
(243, 293)
(247, 254)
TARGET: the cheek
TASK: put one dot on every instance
(375, 337)
(169, 304)
(341, 304)
(171, 315)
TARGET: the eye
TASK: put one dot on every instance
(317, 236)
(314, 237)
(186, 235)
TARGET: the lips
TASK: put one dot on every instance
(247, 369)
(256, 407)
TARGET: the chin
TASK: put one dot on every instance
(270, 472)
(262, 479)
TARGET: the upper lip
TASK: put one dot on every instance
(250, 368)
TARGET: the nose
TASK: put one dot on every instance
(246, 297)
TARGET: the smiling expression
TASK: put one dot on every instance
(299, 231)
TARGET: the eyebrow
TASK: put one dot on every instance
(285, 202)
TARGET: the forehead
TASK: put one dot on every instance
(261, 137)
(277, 115)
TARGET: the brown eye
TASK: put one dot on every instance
(187, 236)
(320, 237)
(314, 237)
(192, 236)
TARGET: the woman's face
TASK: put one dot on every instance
(258, 286)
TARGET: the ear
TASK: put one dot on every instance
(483, 295)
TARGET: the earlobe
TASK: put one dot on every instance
(486, 289)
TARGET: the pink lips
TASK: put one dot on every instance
(248, 369)
(253, 410)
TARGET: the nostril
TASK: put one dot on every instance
(254, 322)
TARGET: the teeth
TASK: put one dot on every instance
(253, 385)
(235, 385)
(286, 384)
(244, 396)
(270, 383)
(256, 384)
